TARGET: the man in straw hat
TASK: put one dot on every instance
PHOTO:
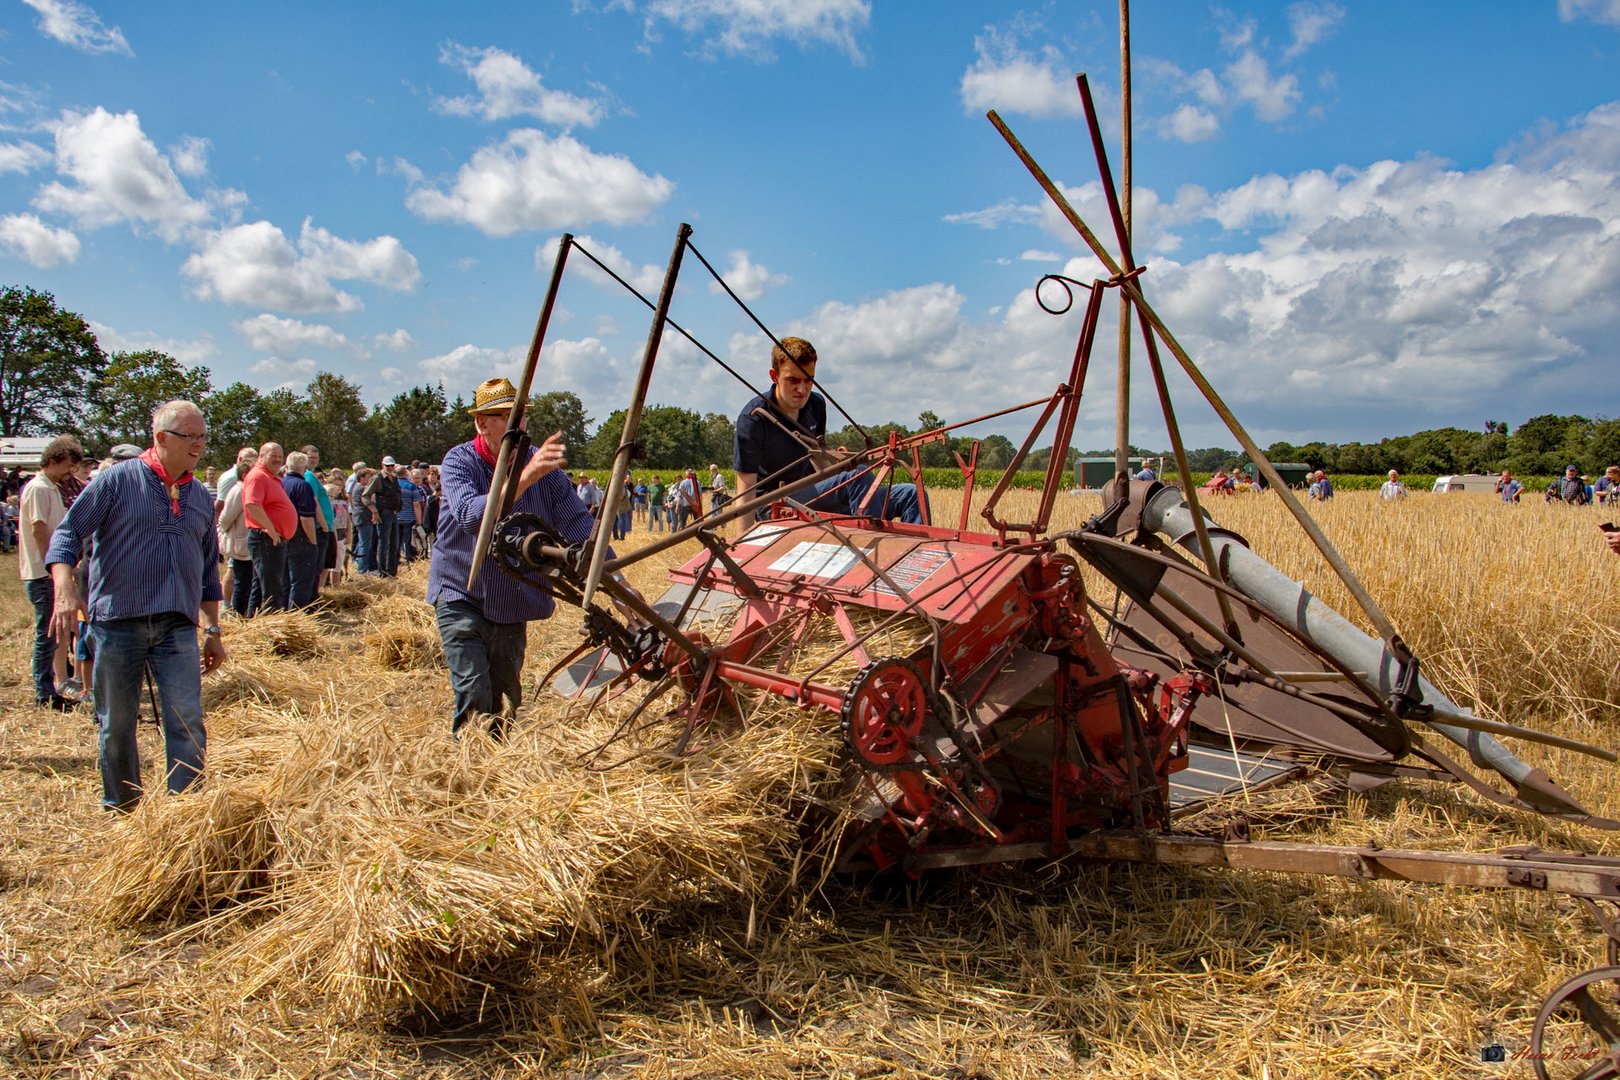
(770, 449)
(154, 565)
(484, 628)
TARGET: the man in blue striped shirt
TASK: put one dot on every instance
(484, 628)
(153, 566)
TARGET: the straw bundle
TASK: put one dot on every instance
(401, 634)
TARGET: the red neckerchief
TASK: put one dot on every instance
(482, 448)
(170, 484)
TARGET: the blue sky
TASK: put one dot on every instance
(1360, 219)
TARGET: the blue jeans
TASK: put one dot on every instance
(125, 650)
(897, 502)
(386, 553)
(485, 660)
(242, 587)
(42, 594)
(406, 531)
(302, 557)
(365, 542)
(269, 570)
(655, 519)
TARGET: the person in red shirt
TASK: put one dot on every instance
(271, 522)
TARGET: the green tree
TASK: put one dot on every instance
(234, 421)
(339, 418)
(131, 387)
(995, 452)
(719, 439)
(49, 363)
(561, 410)
(284, 418)
(419, 425)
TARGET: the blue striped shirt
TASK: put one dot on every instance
(464, 487)
(147, 560)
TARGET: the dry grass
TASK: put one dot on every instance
(350, 893)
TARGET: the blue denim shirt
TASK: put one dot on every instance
(147, 560)
(464, 488)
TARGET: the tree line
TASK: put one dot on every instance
(55, 379)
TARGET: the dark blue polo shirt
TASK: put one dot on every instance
(763, 448)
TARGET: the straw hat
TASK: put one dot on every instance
(493, 395)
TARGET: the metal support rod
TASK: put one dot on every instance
(1122, 420)
(632, 420)
(505, 479)
(1172, 426)
(1368, 605)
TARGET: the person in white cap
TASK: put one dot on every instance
(382, 498)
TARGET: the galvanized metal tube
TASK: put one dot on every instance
(1294, 607)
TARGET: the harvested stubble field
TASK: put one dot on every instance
(351, 894)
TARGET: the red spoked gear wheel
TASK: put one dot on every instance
(884, 712)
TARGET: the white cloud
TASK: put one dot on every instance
(468, 365)
(78, 27)
(647, 278)
(189, 351)
(1250, 80)
(381, 261)
(1035, 255)
(356, 160)
(1603, 11)
(1189, 123)
(283, 337)
(507, 87)
(117, 174)
(397, 340)
(748, 279)
(22, 157)
(39, 244)
(534, 181)
(190, 156)
(1311, 22)
(285, 374)
(748, 27)
(1009, 212)
(1011, 80)
(256, 264)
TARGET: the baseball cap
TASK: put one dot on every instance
(388, 459)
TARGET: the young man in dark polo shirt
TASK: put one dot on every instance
(767, 455)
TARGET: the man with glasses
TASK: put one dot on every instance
(154, 564)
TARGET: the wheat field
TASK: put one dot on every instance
(351, 894)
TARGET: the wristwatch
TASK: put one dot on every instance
(213, 631)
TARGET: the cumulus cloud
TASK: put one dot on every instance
(469, 365)
(190, 156)
(749, 27)
(284, 337)
(39, 244)
(1009, 212)
(285, 374)
(1602, 11)
(256, 264)
(189, 351)
(1189, 123)
(396, 340)
(646, 278)
(116, 174)
(1311, 23)
(1012, 80)
(507, 87)
(22, 157)
(747, 279)
(531, 180)
(1250, 80)
(78, 27)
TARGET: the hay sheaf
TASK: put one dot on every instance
(401, 634)
(382, 864)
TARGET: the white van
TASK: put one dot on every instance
(1467, 482)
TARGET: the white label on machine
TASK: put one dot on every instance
(762, 535)
(816, 560)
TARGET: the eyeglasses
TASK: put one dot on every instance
(186, 435)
